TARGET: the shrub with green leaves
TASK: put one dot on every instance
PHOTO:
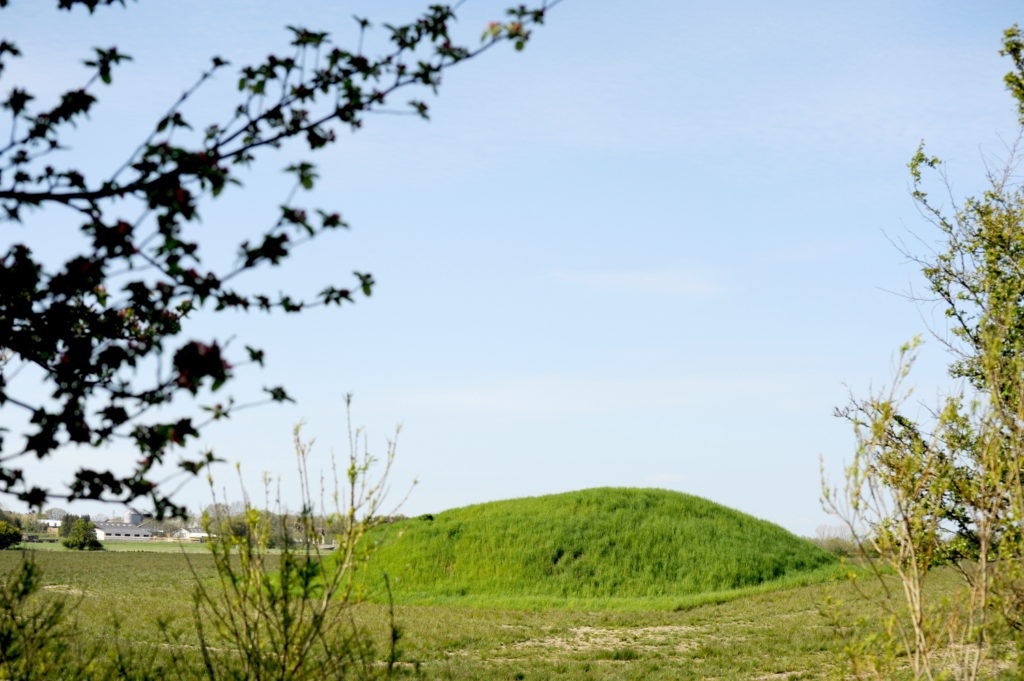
(286, 614)
(33, 633)
(9, 535)
(947, 488)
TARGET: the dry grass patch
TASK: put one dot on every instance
(588, 638)
(65, 589)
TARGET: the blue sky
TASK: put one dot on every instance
(653, 249)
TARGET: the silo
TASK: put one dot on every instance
(133, 517)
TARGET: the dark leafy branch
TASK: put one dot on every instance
(90, 325)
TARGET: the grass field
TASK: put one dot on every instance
(779, 634)
(697, 591)
(596, 549)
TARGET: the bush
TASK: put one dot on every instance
(82, 537)
(9, 535)
(33, 632)
(285, 614)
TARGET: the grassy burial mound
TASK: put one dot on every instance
(607, 548)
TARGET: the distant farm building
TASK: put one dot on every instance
(122, 532)
(134, 517)
(192, 534)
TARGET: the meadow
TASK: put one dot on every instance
(608, 583)
(137, 599)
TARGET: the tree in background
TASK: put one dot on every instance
(12, 518)
(82, 536)
(26, 523)
(86, 328)
(68, 522)
(10, 535)
(948, 489)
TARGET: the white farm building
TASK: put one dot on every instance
(122, 532)
(192, 534)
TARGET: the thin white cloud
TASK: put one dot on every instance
(667, 479)
(548, 397)
(697, 284)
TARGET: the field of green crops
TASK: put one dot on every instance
(780, 634)
(591, 585)
(773, 633)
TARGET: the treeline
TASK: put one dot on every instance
(278, 530)
(230, 521)
(26, 523)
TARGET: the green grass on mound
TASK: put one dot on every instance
(608, 548)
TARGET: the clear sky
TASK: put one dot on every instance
(652, 250)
